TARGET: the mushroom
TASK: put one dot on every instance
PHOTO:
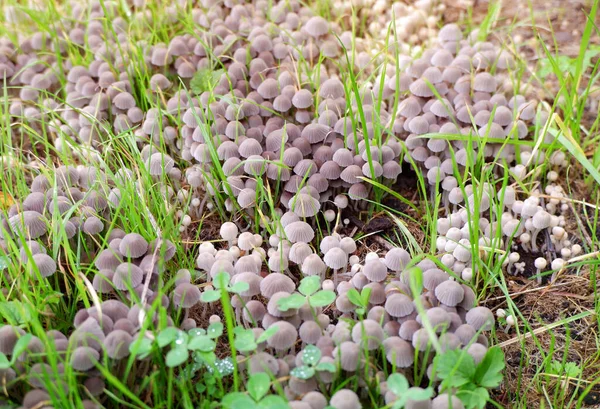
(336, 259)
(345, 399)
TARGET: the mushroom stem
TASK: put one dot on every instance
(534, 235)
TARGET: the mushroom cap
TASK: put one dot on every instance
(332, 88)
(84, 358)
(310, 332)
(345, 399)
(315, 399)
(408, 329)
(9, 336)
(370, 331)
(445, 401)
(484, 82)
(254, 311)
(399, 352)
(480, 318)
(450, 293)
(35, 397)
(450, 32)
(336, 258)
(375, 270)
(304, 205)
(299, 252)
(252, 279)
(276, 282)
(28, 223)
(186, 295)
(477, 351)
(228, 231)
(285, 336)
(102, 281)
(45, 264)
(396, 259)
(262, 362)
(117, 344)
(273, 307)
(313, 265)
(115, 309)
(302, 99)
(316, 26)
(127, 275)
(133, 245)
(299, 232)
(399, 305)
(95, 386)
(278, 262)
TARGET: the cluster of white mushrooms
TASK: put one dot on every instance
(533, 225)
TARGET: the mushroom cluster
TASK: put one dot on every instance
(533, 225)
(450, 90)
(392, 320)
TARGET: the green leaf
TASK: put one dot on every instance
(259, 385)
(269, 332)
(415, 275)
(206, 358)
(4, 362)
(20, 346)
(398, 384)
(567, 140)
(291, 302)
(215, 330)
(239, 287)
(177, 356)
(237, 400)
(210, 295)
(224, 367)
(417, 394)
(572, 370)
(473, 397)
(303, 372)
(4, 263)
(365, 295)
(311, 355)
(354, 297)
(141, 348)
(490, 19)
(205, 80)
(244, 341)
(274, 402)
(201, 343)
(221, 279)
(15, 312)
(196, 331)
(326, 367)
(489, 370)
(167, 336)
(322, 298)
(309, 285)
(455, 367)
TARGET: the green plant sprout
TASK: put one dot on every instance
(309, 294)
(311, 355)
(361, 300)
(471, 382)
(256, 397)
